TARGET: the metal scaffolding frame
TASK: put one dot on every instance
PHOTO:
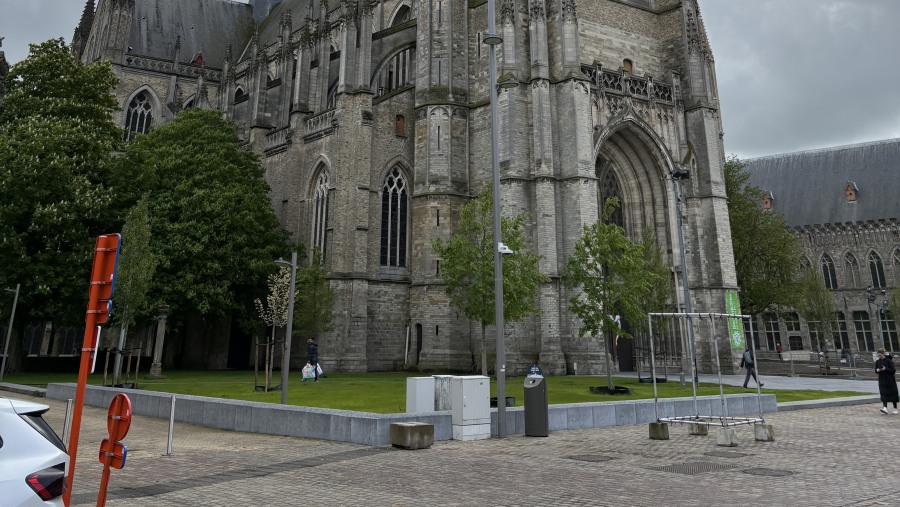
(723, 420)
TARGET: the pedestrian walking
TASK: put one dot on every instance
(747, 361)
(779, 350)
(312, 353)
(887, 380)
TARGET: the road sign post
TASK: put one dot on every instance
(103, 283)
(112, 451)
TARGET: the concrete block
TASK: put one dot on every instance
(412, 435)
(698, 429)
(558, 418)
(579, 417)
(604, 415)
(659, 431)
(625, 414)
(645, 411)
(684, 407)
(763, 433)
(726, 437)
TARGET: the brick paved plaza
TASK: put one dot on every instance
(832, 456)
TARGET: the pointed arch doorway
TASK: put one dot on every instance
(631, 164)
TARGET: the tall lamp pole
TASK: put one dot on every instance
(679, 173)
(286, 356)
(871, 298)
(492, 39)
(9, 330)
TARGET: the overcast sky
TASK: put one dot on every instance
(793, 74)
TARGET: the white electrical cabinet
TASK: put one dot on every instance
(419, 394)
(470, 400)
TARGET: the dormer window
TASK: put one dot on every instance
(767, 199)
(850, 191)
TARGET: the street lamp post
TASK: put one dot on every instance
(286, 356)
(871, 299)
(492, 39)
(680, 172)
(12, 316)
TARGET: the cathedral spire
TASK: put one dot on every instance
(83, 30)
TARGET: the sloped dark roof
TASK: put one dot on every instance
(207, 26)
(270, 28)
(809, 186)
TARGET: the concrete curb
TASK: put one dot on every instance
(37, 392)
(830, 402)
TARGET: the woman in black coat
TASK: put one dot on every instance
(887, 381)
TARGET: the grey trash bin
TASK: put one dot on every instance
(537, 410)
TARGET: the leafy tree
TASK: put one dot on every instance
(134, 274)
(213, 226)
(313, 309)
(467, 267)
(816, 304)
(274, 312)
(661, 290)
(56, 137)
(766, 254)
(613, 276)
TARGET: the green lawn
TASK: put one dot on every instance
(386, 392)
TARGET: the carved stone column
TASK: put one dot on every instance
(156, 367)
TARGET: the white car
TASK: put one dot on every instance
(33, 460)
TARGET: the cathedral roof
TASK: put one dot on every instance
(815, 187)
(299, 10)
(206, 26)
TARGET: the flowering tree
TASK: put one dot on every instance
(275, 312)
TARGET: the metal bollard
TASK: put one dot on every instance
(67, 422)
(171, 428)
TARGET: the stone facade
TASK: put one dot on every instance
(373, 122)
(840, 204)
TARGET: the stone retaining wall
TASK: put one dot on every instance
(374, 429)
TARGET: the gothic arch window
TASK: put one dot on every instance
(608, 186)
(189, 104)
(805, 265)
(139, 115)
(321, 212)
(332, 95)
(395, 72)
(851, 267)
(402, 15)
(876, 268)
(394, 219)
(828, 272)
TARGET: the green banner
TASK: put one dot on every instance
(735, 326)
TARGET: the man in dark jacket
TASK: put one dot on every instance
(312, 353)
(747, 361)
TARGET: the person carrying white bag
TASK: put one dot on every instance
(312, 352)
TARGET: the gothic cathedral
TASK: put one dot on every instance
(372, 120)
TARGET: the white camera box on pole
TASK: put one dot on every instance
(419, 395)
(470, 407)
